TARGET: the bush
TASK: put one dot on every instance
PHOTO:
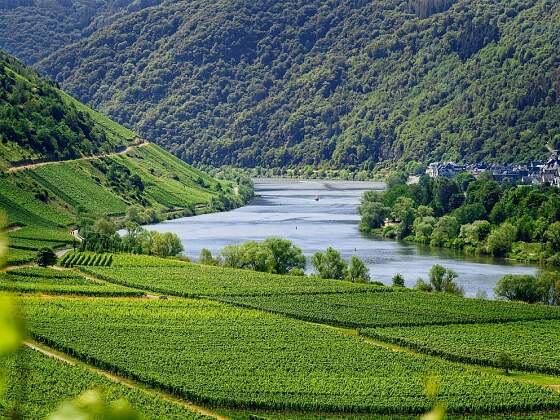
(330, 264)
(398, 280)
(357, 270)
(501, 240)
(45, 257)
(523, 288)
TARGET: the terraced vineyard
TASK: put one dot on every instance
(54, 382)
(191, 280)
(86, 259)
(533, 345)
(74, 183)
(213, 353)
(398, 308)
(48, 281)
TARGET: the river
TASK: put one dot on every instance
(317, 214)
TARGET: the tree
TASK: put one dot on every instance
(552, 235)
(468, 213)
(403, 212)
(232, 256)
(505, 361)
(501, 240)
(523, 288)
(357, 271)
(398, 280)
(373, 215)
(443, 280)
(447, 229)
(476, 232)
(257, 257)
(104, 227)
(206, 257)
(329, 264)
(285, 254)
(46, 257)
(165, 244)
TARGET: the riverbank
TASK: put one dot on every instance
(289, 209)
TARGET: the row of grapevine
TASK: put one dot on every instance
(191, 280)
(217, 354)
(66, 284)
(399, 308)
(86, 259)
(531, 345)
(50, 383)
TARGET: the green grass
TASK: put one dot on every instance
(191, 280)
(212, 353)
(49, 281)
(399, 308)
(50, 383)
(532, 345)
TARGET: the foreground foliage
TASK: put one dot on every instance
(49, 281)
(54, 382)
(241, 358)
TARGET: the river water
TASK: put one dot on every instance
(318, 214)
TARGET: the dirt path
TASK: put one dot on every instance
(64, 358)
(19, 168)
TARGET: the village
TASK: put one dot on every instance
(532, 174)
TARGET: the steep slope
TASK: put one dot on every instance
(350, 84)
(32, 29)
(88, 167)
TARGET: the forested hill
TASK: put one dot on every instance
(32, 29)
(39, 121)
(64, 165)
(347, 83)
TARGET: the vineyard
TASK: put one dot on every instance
(74, 183)
(398, 308)
(86, 259)
(211, 353)
(191, 280)
(48, 281)
(54, 382)
(533, 345)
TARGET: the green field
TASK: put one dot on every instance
(17, 199)
(54, 382)
(191, 280)
(399, 308)
(48, 281)
(168, 181)
(73, 182)
(209, 352)
(532, 345)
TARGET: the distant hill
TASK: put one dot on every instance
(33, 29)
(343, 83)
(60, 162)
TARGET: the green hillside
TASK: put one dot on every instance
(346, 83)
(62, 161)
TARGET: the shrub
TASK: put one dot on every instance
(45, 257)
